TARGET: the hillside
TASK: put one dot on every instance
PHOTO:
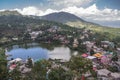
(62, 17)
(74, 21)
(8, 13)
(15, 25)
(67, 18)
(14, 18)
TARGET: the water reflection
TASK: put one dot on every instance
(60, 53)
(38, 53)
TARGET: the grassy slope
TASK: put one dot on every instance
(113, 31)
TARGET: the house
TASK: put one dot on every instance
(15, 38)
(107, 44)
(34, 34)
(75, 43)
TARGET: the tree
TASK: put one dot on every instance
(15, 74)
(27, 36)
(80, 65)
(39, 70)
(29, 63)
(59, 73)
(3, 65)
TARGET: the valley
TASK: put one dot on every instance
(36, 47)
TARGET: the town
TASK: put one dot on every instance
(96, 58)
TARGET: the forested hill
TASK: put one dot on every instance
(8, 13)
(15, 19)
(16, 25)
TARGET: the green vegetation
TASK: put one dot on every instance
(74, 21)
(44, 70)
(80, 66)
(15, 30)
(112, 32)
(7, 12)
(3, 65)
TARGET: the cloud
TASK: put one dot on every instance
(31, 10)
(89, 13)
(2, 10)
(67, 3)
(93, 13)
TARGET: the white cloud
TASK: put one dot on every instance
(67, 3)
(31, 10)
(48, 11)
(2, 10)
(91, 13)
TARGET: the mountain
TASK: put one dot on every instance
(67, 18)
(74, 21)
(62, 17)
(13, 18)
(8, 13)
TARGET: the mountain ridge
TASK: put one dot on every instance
(62, 17)
(58, 16)
(66, 18)
(18, 19)
(8, 13)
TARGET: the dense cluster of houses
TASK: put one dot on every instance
(105, 57)
(51, 35)
(104, 64)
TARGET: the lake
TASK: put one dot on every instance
(37, 52)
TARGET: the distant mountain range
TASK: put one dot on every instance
(61, 17)
(65, 18)
(8, 13)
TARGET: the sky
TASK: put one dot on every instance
(104, 12)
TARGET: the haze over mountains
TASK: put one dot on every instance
(67, 18)
(8, 13)
(17, 20)
(61, 17)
